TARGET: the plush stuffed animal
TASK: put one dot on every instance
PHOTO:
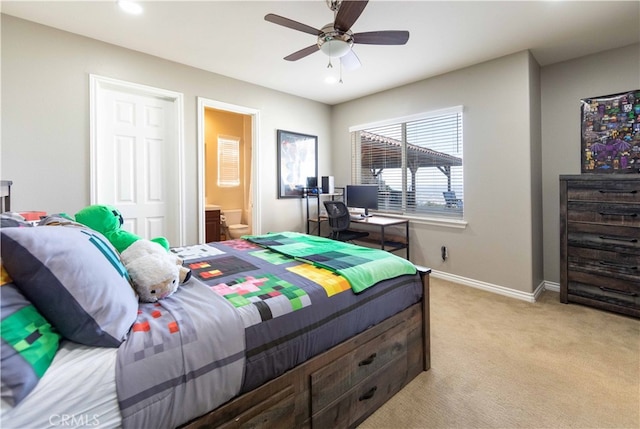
(108, 221)
(155, 273)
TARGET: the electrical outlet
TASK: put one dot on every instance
(444, 253)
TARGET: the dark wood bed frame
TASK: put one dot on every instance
(342, 386)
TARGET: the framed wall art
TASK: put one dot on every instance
(610, 133)
(297, 160)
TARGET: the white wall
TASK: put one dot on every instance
(563, 86)
(537, 241)
(499, 134)
(45, 119)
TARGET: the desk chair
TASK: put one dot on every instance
(339, 220)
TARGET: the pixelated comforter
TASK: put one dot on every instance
(184, 356)
(363, 267)
(270, 312)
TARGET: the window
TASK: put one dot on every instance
(416, 163)
(228, 161)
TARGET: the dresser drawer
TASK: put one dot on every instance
(604, 237)
(605, 213)
(628, 296)
(364, 398)
(604, 283)
(623, 191)
(602, 262)
(334, 380)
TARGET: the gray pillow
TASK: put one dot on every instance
(75, 279)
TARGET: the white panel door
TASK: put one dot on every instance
(136, 163)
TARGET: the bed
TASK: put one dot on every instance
(278, 330)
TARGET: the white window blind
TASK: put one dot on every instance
(416, 163)
(228, 161)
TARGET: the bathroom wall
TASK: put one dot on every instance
(230, 124)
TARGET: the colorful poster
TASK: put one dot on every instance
(610, 133)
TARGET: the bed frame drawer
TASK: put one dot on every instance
(350, 409)
(340, 376)
(277, 411)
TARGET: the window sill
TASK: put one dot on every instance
(437, 221)
(449, 223)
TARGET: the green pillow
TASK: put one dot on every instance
(27, 346)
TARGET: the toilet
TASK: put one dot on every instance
(232, 219)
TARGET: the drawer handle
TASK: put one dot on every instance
(621, 292)
(368, 361)
(618, 265)
(369, 394)
(617, 191)
(615, 238)
(618, 214)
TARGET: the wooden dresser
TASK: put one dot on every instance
(600, 241)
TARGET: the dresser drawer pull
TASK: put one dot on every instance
(369, 394)
(617, 191)
(618, 214)
(368, 361)
(618, 265)
(621, 292)
(615, 238)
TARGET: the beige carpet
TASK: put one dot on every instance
(498, 362)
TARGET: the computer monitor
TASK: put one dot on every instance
(362, 197)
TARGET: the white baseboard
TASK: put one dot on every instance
(552, 286)
(501, 290)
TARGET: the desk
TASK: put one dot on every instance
(390, 244)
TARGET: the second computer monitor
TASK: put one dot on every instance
(362, 197)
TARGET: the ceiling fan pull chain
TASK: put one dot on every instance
(340, 81)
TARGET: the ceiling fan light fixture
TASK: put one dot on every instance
(335, 48)
(334, 43)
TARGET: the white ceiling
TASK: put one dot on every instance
(232, 38)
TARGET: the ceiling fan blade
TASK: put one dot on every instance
(302, 53)
(390, 37)
(289, 23)
(348, 13)
(350, 61)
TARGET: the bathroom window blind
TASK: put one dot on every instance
(415, 161)
(228, 161)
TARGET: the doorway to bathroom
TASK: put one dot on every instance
(227, 154)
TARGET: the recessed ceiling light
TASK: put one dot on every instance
(130, 7)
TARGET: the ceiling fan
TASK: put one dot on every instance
(336, 38)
